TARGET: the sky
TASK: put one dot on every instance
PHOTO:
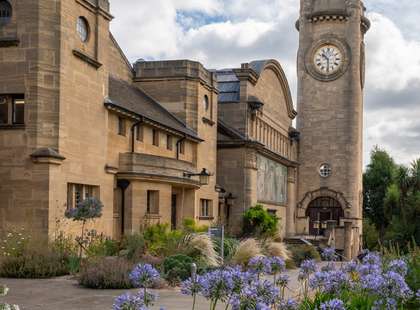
(225, 33)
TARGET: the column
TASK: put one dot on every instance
(348, 231)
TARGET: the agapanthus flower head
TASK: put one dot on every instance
(385, 304)
(372, 258)
(190, 287)
(277, 264)
(88, 209)
(329, 254)
(307, 267)
(144, 275)
(289, 304)
(282, 280)
(260, 264)
(351, 266)
(217, 285)
(329, 281)
(398, 266)
(333, 304)
(129, 302)
(395, 286)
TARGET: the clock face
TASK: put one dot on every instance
(328, 59)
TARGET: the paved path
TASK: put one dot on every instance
(65, 294)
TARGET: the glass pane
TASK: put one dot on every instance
(19, 111)
(4, 110)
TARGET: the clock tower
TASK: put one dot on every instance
(330, 121)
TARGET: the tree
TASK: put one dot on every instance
(377, 179)
(259, 222)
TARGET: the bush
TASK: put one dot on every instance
(258, 222)
(161, 241)
(177, 268)
(190, 226)
(133, 246)
(98, 245)
(246, 250)
(230, 246)
(34, 265)
(106, 273)
(303, 252)
(370, 235)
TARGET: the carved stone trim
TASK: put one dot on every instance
(88, 59)
(323, 192)
(47, 156)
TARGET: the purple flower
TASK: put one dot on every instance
(88, 209)
(129, 302)
(398, 266)
(144, 275)
(329, 254)
(385, 304)
(329, 282)
(190, 287)
(418, 295)
(372, 258)
(307, 268)
(289, 304)
(260, 264)
(282, 280)
(351, 266)
(277, 264)
(217, 285)
(334, 304)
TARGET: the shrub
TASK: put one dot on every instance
(230, 246)
(278, 249)
(177, 268)
(202, 248)
(246, 250)
(190, 226)
(106, 273)
(98, 245)
(34, 265)
(133, 246)
(370, 235)
(303, 252)
(258, 222)
(161, 241)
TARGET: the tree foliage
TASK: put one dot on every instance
(259, 222)
(392, 200)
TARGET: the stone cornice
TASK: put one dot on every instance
(86, 58)
(9, 42)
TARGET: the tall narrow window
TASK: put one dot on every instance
(5, 11)
(182, 147)
(152, 202)
(139, 133)
(121, 126)
(155, 137)
(206, 208)
(4, 110)
(169, 143)
(206, 103)
(83, 29)
(18, 110)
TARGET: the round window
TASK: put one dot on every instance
(83, 29)
(325, 170)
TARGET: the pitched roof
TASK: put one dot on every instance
(130, 98)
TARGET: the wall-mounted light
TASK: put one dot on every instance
(204, 176)
(230, 199)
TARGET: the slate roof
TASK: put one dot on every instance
(228, 85)
(130, 98)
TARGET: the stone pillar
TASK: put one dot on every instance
(356, 241)
(291, 203)
(331, 232)
(348, 230)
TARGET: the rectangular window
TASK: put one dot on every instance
(121, 126)
(182, 147)
(152, 202)
(76, 193)
(12, 110)
(139, 133)
(206, 208)
(155, 137)
(169, 143)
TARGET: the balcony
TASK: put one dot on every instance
(156, 168)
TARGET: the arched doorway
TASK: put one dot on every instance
(321, 210)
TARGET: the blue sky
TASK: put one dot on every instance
(226, 33)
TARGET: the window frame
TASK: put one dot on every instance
(206, 205)
(152, 202)
(140, 133)
(122, 127)
(206, 102)
(169, 142)
(155, 137)
(83, 24)
(77, 192)
(6, 19)
(182, 147)
(12, 111)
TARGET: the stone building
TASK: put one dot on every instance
(162, 141)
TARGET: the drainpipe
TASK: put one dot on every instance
(123, 184)
(136, 124)
(178, 143)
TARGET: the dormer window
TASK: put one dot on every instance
(5, 11)
(83, 29)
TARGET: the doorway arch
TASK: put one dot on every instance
(320, 211)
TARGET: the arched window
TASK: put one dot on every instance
(5, 11)
(321, 211)
(83, 29)
(206, 103)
